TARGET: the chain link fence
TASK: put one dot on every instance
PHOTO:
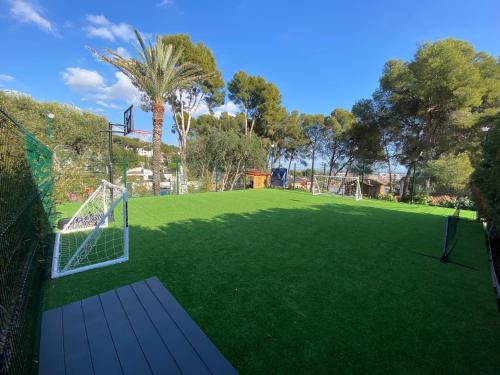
(26, 218)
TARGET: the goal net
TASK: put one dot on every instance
(337, 185)
(96, 236)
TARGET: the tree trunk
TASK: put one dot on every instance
(158, 111)
(388, 156)
(390, 174)
(330, 170)
(363, 174)
(253, 124)
(404, 193)
(288, 171)
(312, 169)
(182, 154)
(246, 122)
(237, 174)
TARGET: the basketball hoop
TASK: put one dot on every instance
(143, 135)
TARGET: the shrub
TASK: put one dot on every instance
(467, 204)
(442, 201)
(487, 176)
(390, 197)
(421, 199)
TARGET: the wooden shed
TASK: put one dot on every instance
(258, 179)
(372, 188)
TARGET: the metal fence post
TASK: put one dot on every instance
(177, 175)
(216, 177)
(125, 171)
(294, 174)
(244, 177)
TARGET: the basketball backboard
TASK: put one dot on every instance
(128, 120)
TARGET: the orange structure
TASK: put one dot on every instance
(258, 179)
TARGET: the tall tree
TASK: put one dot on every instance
(381, 126)
(226, 149)
(365, 136)
(314, 131)
(486, 192)
(260, 101)
(207, 90)
(450, 173)
(158, 73)
(289, 137)
(439, 98)
(338, 126)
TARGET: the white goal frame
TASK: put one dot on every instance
(338, 186)
(119, 194)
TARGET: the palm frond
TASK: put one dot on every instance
(157, 71)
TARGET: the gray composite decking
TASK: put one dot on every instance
(138, 329)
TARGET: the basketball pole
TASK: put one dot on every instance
(110, 151)
(128, 125)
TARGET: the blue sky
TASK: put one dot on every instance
(321, 54)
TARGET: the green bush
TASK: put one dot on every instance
(421, 199)
(486, 178)
(467, 204)
(442, 201)
(391, 197)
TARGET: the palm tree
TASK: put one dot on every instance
(158, 74)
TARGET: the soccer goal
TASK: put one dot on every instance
(96, 236)
(337, 185)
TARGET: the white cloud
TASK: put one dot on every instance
(123, 31)
(16, 93)
(5, 78)
(100, 27)
(123, 52)
(92, 86)
(98, 19)
(25, 12)
(231, 108)
(100, 32)
(122, 90)
(166, 3)
(104, 104)
(82, 80)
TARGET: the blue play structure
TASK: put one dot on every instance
(279, 177)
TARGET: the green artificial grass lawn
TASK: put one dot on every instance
(286, 282)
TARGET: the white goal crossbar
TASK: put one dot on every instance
(337, 185)
(97, 234)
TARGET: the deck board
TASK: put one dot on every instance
(200, 342)
(127, 347)
(104, 358)
(154, 349)
(135, 329)
(186, 357)
(51, 346)
(76, 347)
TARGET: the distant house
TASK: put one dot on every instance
(299, 183)
(140, 173)
(379, 184)
(145, 152)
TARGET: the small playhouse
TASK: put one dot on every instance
(258, 179)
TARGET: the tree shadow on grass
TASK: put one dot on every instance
(323, 289)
